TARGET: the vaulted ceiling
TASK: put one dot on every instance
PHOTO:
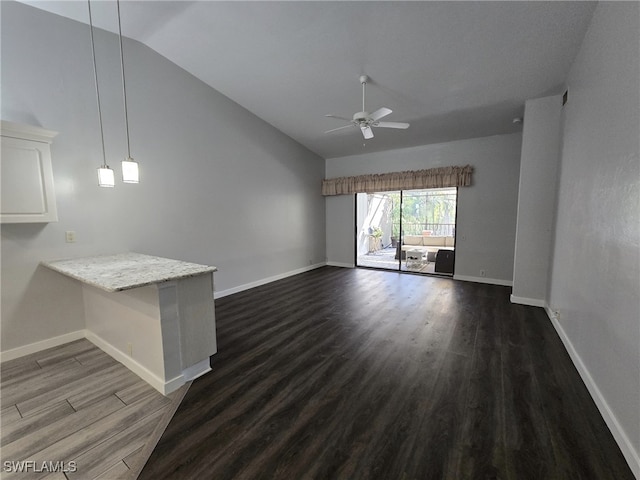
(453, 70)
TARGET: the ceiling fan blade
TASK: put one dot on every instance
(381, 112)
(392, 125)
(340, 118)
(367, 132)
(339, 128)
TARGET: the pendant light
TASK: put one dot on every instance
(106, 177)
(130, 172)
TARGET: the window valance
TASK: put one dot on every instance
(410, 180)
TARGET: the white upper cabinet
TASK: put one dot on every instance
(27, 193)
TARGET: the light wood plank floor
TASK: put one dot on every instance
(76, 405)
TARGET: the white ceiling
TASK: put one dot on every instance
(452, 69)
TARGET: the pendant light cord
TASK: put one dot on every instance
(95, 76)
(124, 88)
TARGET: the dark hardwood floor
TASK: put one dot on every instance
(364, 374)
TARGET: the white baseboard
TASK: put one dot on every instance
(492, 281)
(257, 283)
(164, 387)
(630, 454)
(533, 302)
(41, 345)
(149, 377)
(340, 264)
(197, 370)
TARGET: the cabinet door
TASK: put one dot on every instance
(27, 194)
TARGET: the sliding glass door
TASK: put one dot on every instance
(377, 229)
(408, 230)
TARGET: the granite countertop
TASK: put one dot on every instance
(124, 271)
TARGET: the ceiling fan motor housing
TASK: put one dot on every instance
(361, 117)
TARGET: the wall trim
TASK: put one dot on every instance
(630, 454)
(197, 370)
(533, 302)
(148, 376)
(492, 281)
(143, 372)
(264, 281)
(41, 345)
(341, 264)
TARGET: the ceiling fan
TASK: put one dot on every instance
(365, 120)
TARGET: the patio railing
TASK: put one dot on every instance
(437, 229)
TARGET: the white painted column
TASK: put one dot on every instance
(197, 324)
(540, 155)
(165, 333)
(170, 327)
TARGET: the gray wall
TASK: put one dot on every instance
(485, 235)
(341, 230)
(595, 280)
(536, 199)
(219, 186)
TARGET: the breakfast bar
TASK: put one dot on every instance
(155, 315)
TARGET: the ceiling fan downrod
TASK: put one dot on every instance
(363, 81)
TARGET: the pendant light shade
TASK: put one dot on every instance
(130, 171)
(105, 174)
(106, 177)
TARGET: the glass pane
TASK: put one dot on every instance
(428, 226)
(377, 229)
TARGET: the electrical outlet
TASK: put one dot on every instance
(483, 273)
(70, 236)
(130, 349)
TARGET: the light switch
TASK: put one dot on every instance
(70, 236)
